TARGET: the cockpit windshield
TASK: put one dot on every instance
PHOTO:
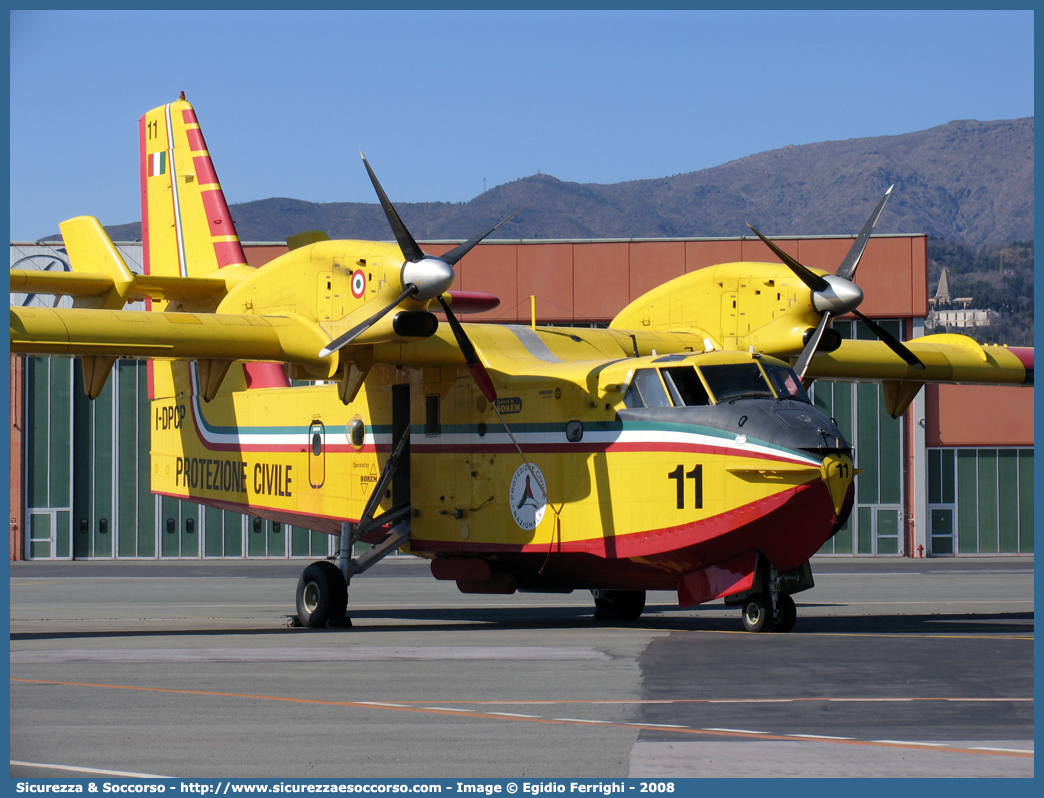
(786, 382)
(681, 386)
(736, 381)
(646, 390)
(684, 386)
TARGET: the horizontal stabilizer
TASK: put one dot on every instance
(142, 286)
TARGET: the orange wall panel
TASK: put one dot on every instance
(653, 263)
(754, 251)
(493, 269)
(257, 255)
(889, 279)
(978, 415)
(821, 253)
(546, 271)
(593, 281)
(699, 254)
(600, 280)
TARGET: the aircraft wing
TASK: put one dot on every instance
(75, 332)
(947, 358)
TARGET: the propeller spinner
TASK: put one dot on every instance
(424, 277)
(837, 294)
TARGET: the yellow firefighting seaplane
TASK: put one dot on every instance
(661, 453)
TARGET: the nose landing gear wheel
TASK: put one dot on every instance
(787, 614)
(756, 613)
(322, 596)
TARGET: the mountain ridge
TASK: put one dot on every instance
(965, 181)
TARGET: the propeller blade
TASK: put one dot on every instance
(410, 250)
(810, 348)
(891, 341)
(345, 339)
(848, 266)
(478, 371)
(459, 252)
(809, 278)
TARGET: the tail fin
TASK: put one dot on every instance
(186, 227)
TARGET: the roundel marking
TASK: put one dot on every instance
(358, 284)
(528, 501)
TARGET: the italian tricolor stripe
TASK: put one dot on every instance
(157, 163)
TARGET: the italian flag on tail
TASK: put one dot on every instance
(157, 163)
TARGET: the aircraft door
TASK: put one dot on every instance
(316, 454)
(729, 308)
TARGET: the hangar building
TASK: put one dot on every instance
(953, 476)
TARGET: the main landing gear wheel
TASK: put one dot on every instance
(618, 605)
(786, 614)
(756, 613)
(322, 596)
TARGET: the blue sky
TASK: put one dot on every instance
(443, 103)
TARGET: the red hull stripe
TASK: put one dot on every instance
(229, 253)
(592, 448)
(195, 139)
(218, 216)
(205, 174)
(634, 544)
(716, 581)
(788, 529)
(143, 178)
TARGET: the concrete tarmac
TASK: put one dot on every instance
(895, 668)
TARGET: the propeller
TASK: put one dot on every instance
(423, 277)
(836, 294)
(478, 370)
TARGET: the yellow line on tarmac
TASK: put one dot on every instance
(891, 744)
(858, 634)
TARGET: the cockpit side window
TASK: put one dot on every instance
(786, 382)
(736, 381)
(684, 386)
(646, 390)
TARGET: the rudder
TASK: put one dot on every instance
(186, 227)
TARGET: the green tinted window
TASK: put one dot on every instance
(867, 456)
(1026, 500)
(1008, 499)
(988, 538)
(967, 502)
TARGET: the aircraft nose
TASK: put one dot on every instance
(432, 276)
(837, 472)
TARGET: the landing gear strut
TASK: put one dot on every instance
(618, 605)
(769, 608)
(786, 614)
(322, 590)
